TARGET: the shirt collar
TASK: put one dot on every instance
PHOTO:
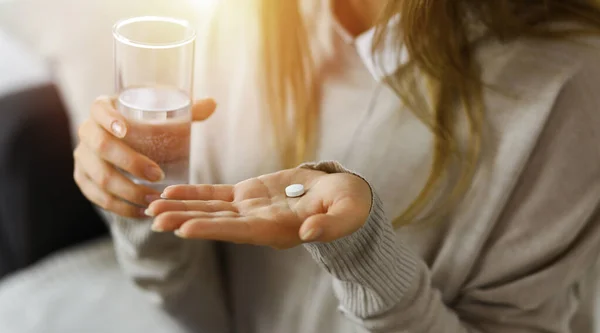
(386, 59)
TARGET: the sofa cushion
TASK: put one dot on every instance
(78, 290)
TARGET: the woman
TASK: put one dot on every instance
(472, 125)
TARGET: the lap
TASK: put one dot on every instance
(78, 290)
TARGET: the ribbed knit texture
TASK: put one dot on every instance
(374, 270)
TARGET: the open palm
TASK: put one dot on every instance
(257, 211)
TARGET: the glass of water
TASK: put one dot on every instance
(154, 66)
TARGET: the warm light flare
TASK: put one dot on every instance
(203, 4)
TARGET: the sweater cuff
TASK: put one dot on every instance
(373, 272)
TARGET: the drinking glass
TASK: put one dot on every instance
(154, 66)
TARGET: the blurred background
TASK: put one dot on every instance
(70, 43)
(56, 57)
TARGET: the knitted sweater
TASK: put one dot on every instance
(512, 257)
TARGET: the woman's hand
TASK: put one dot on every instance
(257, 211)
(101, 151)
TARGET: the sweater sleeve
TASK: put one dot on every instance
(182, 276)
(528, 276)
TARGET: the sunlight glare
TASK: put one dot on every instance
(203, 4)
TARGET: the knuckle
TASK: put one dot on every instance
(168, 216)
(77, 152)
(160, 206)
(211, 206)
(82, 130)
(102, 142)
(103, 105)
(103, 179)
(104, 98)
(87, 195)
(138, 194)
(102, 101)
(77, 180)
(129, 162)
(78, 175)
(107, 202)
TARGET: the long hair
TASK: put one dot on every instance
(437, 35)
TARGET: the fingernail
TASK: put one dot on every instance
(148, 212)
(157, 228)
(118, 128)
(150, 198)
(163, 195)
(142, 212)
(179, 234)
(154, 174)
(311, 235)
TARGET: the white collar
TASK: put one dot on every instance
(386, 60)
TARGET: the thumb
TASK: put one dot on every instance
(341, 220)
(202, 109)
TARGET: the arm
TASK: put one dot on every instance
(551, 222)
(180, 275)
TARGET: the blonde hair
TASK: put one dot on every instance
(437, 36)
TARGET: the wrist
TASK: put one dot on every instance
(372, 271)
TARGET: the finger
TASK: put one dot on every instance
(117, 153)
(229, 229)
(112, 181)
(104, 114)
(211, 206)
(171, 221)
(339, 221)
(199, 192)
(104, 200)
(203, 109)
(241, 230)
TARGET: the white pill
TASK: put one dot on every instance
(294, 191)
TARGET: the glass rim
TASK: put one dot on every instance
(128, 41)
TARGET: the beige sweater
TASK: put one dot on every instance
(514, 256)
